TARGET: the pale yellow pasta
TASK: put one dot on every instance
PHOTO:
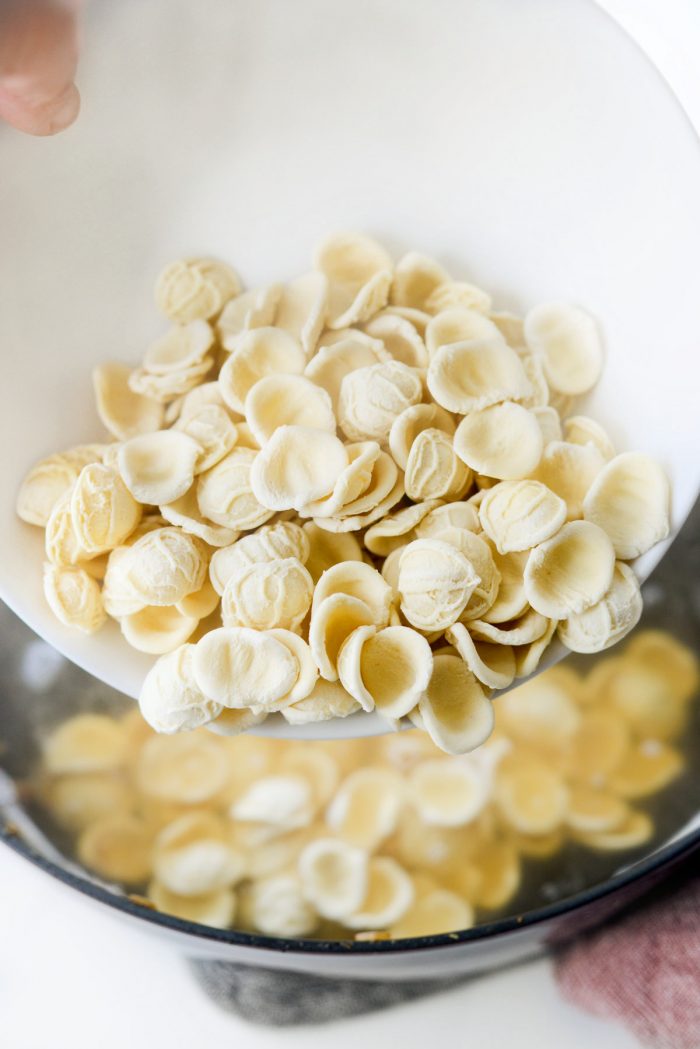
(123, 412)
(503, 441)
(181, 348)
(297, 466)
(518, 515)
(158, 467)
(569, 470)
(74, 598)
(250, 309)
(435, 583)
(433, 469)
(269, 543)
(455, 323)
(213, 430)
(569, 572)
(157, 630)
(50, 479)
(170, 699)
(358, 580)
(468, 376)
(302, 309)
(411, 422)
(268, 594)
(329, 366)
(570, 344)
(400, 339)
(629, 498)
(102, 510)
(225, 493)
(185, 514)
(255, 354)
(415, 278)
(240, 667)
(394, 530)
(454, 709)
(372, 398)
(287, 400)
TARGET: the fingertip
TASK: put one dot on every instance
(63, 111)
(47, 118)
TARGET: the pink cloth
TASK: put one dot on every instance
(643, 969)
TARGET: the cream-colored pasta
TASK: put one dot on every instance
(255, 354)
(458, 293)
(360, 580)
(354, 481)
(270, 543)
(334, 875)
(454, 709)
(580, 429)
(571, 571)
(170, 700)
(569, 470)
(102, 510)
(386, 671)
(411, 422)
(213, 430)
(181, 348)
(332, 621)
(74, 598)
(50, 479)
(394, 531)
(610, 619)
(569, 341)
(389, 895)
(287, 400)
(191, 289)
(268, 594)
(433, 469)
(329, 366)
(157, 630)
(302, 309)
(449, 792)
(415, 278)
(468, 376)
(327, 700)
(164, 566)
(359, 272)
(435, 584)
(328, 548)
(185, 514)
(629, 499)
(240, 667)
(492, 665)
(250, 309)
(123, 412)
(226, 493)
(518, 515)
(297, 466)
(158, 467)
(400, 339)
(503, 441)
(458, 324)
(372, 398)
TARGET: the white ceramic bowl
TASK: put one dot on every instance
(531, 147)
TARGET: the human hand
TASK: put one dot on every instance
(38, 59)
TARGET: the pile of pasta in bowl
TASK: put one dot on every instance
(362, 490)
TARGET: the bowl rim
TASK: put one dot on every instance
(486, 931)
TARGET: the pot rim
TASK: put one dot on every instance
(486, 931)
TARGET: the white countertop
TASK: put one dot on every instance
(73, 977)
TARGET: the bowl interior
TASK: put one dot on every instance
(532, 148)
